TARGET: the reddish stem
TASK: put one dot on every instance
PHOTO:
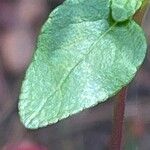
(118, 121)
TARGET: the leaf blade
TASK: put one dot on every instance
(70, 66)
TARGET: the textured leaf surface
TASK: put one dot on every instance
(82, 59)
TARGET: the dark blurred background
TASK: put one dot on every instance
(20, 22)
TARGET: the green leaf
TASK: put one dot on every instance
(124, 9)
(82, 59)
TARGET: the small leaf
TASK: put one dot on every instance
(124, 9)
(82, 59)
